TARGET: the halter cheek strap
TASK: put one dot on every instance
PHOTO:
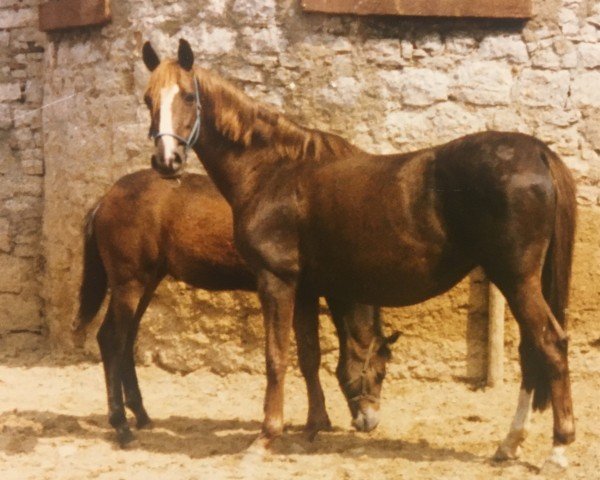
(364, 395)
(192, 138)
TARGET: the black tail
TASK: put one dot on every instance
(556, 275)
(95, 282)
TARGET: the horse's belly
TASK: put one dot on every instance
(388, 286)
(388, 270)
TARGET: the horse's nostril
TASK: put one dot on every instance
(177, 161)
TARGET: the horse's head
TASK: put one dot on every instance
(173, 98)
(360, 373)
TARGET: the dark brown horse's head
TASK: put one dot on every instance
(364, 353)
(173, 98)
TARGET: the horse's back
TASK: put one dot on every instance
(416, 223)
(148, 227)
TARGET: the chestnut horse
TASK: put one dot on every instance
(315, 215)
(145, 228)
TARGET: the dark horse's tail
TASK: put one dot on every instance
(95, 282)
(556, 275)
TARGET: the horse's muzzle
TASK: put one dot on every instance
(366, 420)
(168, 168)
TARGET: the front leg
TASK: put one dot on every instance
(277, 299)
(306, 327)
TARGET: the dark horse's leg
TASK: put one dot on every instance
(112, 340)
(277, 298)
(306, 327)
(133, 396)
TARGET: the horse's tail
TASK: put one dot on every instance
(94, 284)
(556, 274)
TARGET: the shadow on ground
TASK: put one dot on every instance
(204, 437)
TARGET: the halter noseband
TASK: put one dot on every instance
(364, 395)
(195, 132)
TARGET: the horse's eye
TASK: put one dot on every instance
(189, 98)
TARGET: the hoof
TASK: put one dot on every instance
(556, 463)
(125, 438)
(312, 429)
(144, 423)
(260, 446)
(504, 453)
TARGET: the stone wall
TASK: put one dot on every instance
(21, 174)
(386, 83)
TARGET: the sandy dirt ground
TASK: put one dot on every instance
(53, 427)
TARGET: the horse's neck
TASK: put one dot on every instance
(232, 171)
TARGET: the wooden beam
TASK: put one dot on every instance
(425, 8)
(64, 14)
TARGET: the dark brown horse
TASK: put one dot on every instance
(315, 215)
(145, 228)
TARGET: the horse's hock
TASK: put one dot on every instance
(385, 83)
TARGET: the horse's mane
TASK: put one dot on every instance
(246, 122)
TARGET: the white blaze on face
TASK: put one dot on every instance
(167, 95)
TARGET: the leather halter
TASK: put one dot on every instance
(195, 132)
(364, 395)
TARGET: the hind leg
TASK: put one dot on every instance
(544, 363)
(306, 328)
(133, 395)
(112, 340)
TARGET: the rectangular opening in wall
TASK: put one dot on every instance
(424, 8)
(64, 14)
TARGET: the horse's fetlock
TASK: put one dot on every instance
(564, 436)
(117, 419)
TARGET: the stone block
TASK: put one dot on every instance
(422, 87)
(451, 120)
(255, 12)
(546, 58)
(585, 91)
(510, 47)
(22, 17)
(217, 40)
(34, 91)
(267, 40)
(483, 83)
(342, 92)
(5, 117)
(539, 88)
(386, 52)
(10, 91)
(591, 129)
(589, 54)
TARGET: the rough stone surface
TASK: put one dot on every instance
(21, 201)
(387, 84)
(483, 83)
(539, 88)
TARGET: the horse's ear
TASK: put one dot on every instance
(150, 57)
(185, 56)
